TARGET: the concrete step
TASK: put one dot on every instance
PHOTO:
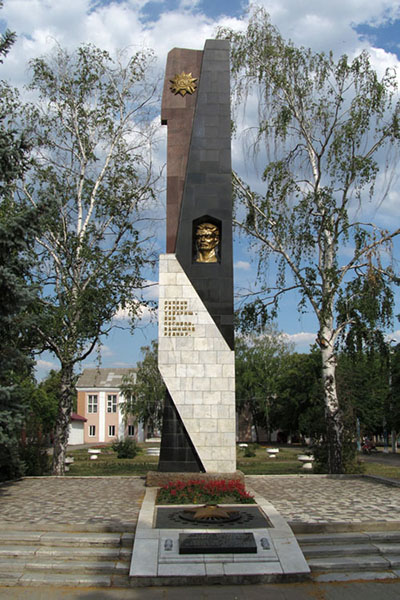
(348, 537)
(349, 563)
(77, 539)
(12, 565)
(81, 553)
(348, 556)
(320, 550)
(56, 579)
(65, 553)
(354, 576)
(91, 559)
(326, 539)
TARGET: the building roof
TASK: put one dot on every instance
(103, 378)
(76, 417)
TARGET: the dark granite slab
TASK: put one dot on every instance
(217, 543)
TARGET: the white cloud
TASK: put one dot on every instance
(144, 313)
(302, 338)
(395, 336)
(242, 264)
(150, 290)
(43, 367)
(45, 364)
(106, 351)
(328, 25)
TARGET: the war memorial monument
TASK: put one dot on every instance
(196, 355)
(180, 545)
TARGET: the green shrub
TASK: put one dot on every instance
(33, 453)
(126, 448)
(250, 451)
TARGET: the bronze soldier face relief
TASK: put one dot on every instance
(207, 241)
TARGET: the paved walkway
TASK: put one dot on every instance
(117, 500)
(389, 590)
(113, 501)
(319, 499)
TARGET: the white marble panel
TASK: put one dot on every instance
(212, 370)
(186, 411)
(202, 385)
(202, 412)
(222, 384)
(172, 292)
(208, 358)
(228, 370)
(224, 425)
(203, 343)
(208, 425)
(168, 278)
(171, 371)
(181, 370)
(195, 370)
(185, 343)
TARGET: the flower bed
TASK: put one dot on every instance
(204, 492)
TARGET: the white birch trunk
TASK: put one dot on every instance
(333, 415)
(63, 420)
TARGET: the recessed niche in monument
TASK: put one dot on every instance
(206, 236)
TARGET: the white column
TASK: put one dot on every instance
(121, 424)
(102, 416)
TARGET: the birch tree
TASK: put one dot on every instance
(92, 130)
(323, 125)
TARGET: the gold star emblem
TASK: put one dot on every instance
(210, 511)
(183, 83)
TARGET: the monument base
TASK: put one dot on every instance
(157, 560)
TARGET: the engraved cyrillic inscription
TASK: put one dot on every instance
(178, 319)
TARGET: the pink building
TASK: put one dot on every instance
(99, 402)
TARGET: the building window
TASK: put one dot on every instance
(111, 430)
(92, 430)
(92, 403)
(131, 430)
(112, 403)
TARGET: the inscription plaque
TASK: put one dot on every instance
(217, 543)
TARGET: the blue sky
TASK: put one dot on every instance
(344, 26)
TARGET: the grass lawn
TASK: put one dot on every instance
(285, 463)
(107, 462)
(380, 470)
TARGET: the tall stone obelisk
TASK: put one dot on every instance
(196, 357)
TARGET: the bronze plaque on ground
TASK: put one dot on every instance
(217, 543)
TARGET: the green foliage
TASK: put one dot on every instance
(325, 124)
(44, 403)
(33, 452)
(92, 130)
(6, 40)
(125, 448)
(18, 227)
(259, 360)
(144, 392)
(299, 402)
(250, 451)
(351, 463)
